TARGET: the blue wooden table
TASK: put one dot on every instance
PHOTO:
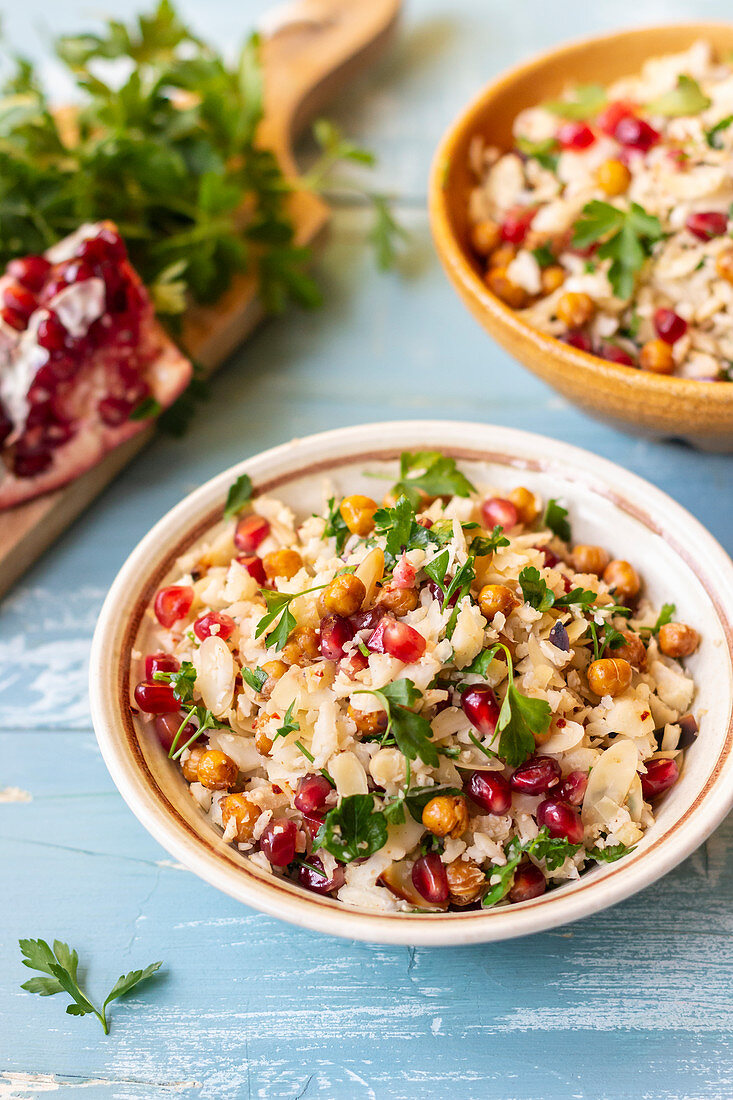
(634, 1002)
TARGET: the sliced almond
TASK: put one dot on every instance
(370, 572)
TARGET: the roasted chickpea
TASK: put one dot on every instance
(282, 563)
(613, 177)
(590, 559)
(302, 647)
(485, 237)
(238, 808)
(508, 292)
(724, 264)
(552, 278)
(678, 639)
(357, 512)
(575, 309)
(190, 765)
(398, 600)
(446, 815)
(656, 356)
(368, 721)
(633, 650)
(622, 579)
(527, 505)
(275, 671)
(503, 256)
(609, 676)
(466, 881)
(494, 598)
(217, 771)
(344, 595)
(263, 743)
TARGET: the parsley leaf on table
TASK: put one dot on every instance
(626, 237)
(686, 98)
(587, 101)
(62, 965)
(353, 830)
(556, 518)
(239, 495)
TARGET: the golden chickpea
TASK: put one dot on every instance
(494, 598)
(552, 278)
(263, 743)
(590, 559)
(466, 881)
(622, 579)
(575, 309)
(190, 765)
(633, 650)
(485, 237)
(527, 505)
(613, 177)
(217, 771)
(239, 809)
(503, 256)
(302, 647)
(282, 563)
(656, 356)
(368, 721)
(275, 671)
(399, 600)
(678, 640)
(609, 676)
(724, 264)
(357, 512)
(446, 815)
(344, 595)
(508, 292)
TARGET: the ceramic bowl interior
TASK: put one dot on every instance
(677, 558)
(650, 404)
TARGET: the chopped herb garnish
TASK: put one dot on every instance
(480, 664)
(239, 495)
(627, 238)
(713, 135)
(686, 98)
(183, 682)
(544, 255)
(556, 518)
(400, 530)
(546, 153)
(353, 830)
(256, 678)
(609, 854)
(611, 639)
(411, 732)
(586, 102)
(278, 605)
(336, 527)
(665, 616)
(521, 719)
(289, 726)
(553, 850)
(537, 593)
(482, 748)
(460, 583)
(148, 409)
(482, 545)
(430, 473)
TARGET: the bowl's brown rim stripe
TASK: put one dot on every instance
(273, 883)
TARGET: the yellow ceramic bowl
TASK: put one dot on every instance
(636, 400)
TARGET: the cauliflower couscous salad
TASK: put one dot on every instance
(437, 702)
(608, 225)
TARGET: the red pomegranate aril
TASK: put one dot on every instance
(172, 604)
(51, 333)
(155, 697)
(635, 133)
(160, 662)
(575, 135)
(367, 620)
(660, 776)
(312, 876)
(31, 271)
(615, 354)
(516, 224)
(536, 775)
(579, 340)
(549, 558)
(336, 631)
(168, 725)
(12, 317)
(114, 411)
(611, 115)
(496, 510)
(481, 707)
(529, 882)
(6, 424)
(27, 462)
(490, 791)
(430, 879)
(355, 663)
(572, 788)
(402, 642)
(18, 297)
(312, 823)
(437, 594)
(669, 325)
(312, 792)
(278, 841)
(561, 820)
(77, 271)
(250, 532)
(214, 623)
(707, 224)
(254, 567)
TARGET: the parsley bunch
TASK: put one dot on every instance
(626, 236)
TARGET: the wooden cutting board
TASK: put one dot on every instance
(312, 49)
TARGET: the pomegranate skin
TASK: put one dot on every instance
(481, 707)
(529, 882)
(561, 820)
(660, 776)
(536, 775)
(430, 879)
(490, 791)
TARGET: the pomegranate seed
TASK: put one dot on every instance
(367, 620)
(615, 354)
(14, 318)
(116, 251)
(660, 776)
(312, 792)
(516, 224)
(107, 248)
(51, 333)
(550, 559)
(437, 594)
(375, 641)
(481, 708)
(687, 724)
(314, 878)
(496, 510)
(155, 697)
(278, 841)
(536, 775)
(669, 325)
(635, 133)
(572, 788)
(6, 424)
(559, 637)
(353, 664)
(208, 623)
(77, 271)
(18, 297)
(250, 532)
(29, 461)
(490, 791)
(579, 340)
(430, 879)
(114, 411)
(312, 823)
(707, 225)
(575, 135)
(254, 567)
(335, 633)
(561, 820)
(612, 114)
(172, 604)
(168, 725)
(31, 271)
(402, 641)
(403, 575)
(529, 882)
(160, 662)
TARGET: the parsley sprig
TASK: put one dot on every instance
(556, 518)
(626, 236)
(586, 101)
(459, 585)
(521, 718)
(412, 733)
(665, 616)
(686, 98)
(430, 473)
(183, 682)
(353, 830)
(278, 608)
(400, 530)
(538, 594)
(239, 496)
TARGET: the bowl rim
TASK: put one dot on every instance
(454, 254)
(153, 556)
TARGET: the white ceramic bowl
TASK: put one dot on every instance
(679, 560)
